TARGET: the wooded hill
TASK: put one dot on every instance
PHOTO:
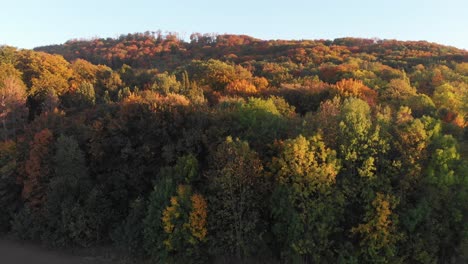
(230, 148)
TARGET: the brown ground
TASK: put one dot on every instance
(13, 252)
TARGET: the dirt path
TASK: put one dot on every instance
(13, 252)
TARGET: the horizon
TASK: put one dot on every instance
(186, 38)
(28, 24)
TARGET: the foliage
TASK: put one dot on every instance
(128, 236)
(9, 191)
(12, 102)
(37, 169)
(65, 206)
(161, 198)
(235, 196)
(379, 232)
(341, 151)
(306, 207)
(184, 223)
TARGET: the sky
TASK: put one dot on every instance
(32, 23)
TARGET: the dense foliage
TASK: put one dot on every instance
(230, 148)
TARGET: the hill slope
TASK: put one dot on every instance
(234, 149)
(153, 50)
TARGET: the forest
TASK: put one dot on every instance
(232, 149)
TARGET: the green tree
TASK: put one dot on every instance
(360, 144)
(67, 195)
(165, 187)
(236, 193)
(450, 99)
(86, 94)
(8, 54)
(107, 80)
(129, 236)
(306, 206)
(191, 89)
(259, 121)
(9, 190)
(81, 98)
(412, 138)
(184, 222)
(166, 83)
(398, 89)
(420, 105)
(216, 74)
(378, 235)
(431, 190)
(363, 150)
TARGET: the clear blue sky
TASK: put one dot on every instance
(31, 23)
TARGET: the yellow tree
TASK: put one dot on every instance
(241, 87)
(451, 100)
(378, 234)
(305, 203)
(83, 71)
(185, 225)
(46, 77)
(44, 71)
(356, 88)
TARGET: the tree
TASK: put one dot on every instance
(421, 105)
(236, 191)
(107, 80)
(216, 74)
(356, 88)
(451, 102)
(411, 142)
(153, 228)
(306, 206)
(433, 219)
(191, 89)
(37, 169)
(44, 71)
(362, 149)
(241, 87)
(360, 142)
(129, 236)
(13, 110)
(83, 71)
(9, 190)
(275, 73)
(85, 95)
(166, 83)
(67, 194)
(184, 222)
(260, 121)
(8, 54)
(327, 119)
(46, 77)
(379, 232)
(165, 187)
(398, 89)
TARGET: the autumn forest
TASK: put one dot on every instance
(228, 148)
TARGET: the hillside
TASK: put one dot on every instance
(155, 50)
(229, 148)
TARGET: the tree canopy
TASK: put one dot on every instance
(228, 148)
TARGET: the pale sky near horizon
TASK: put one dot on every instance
(32, 23)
